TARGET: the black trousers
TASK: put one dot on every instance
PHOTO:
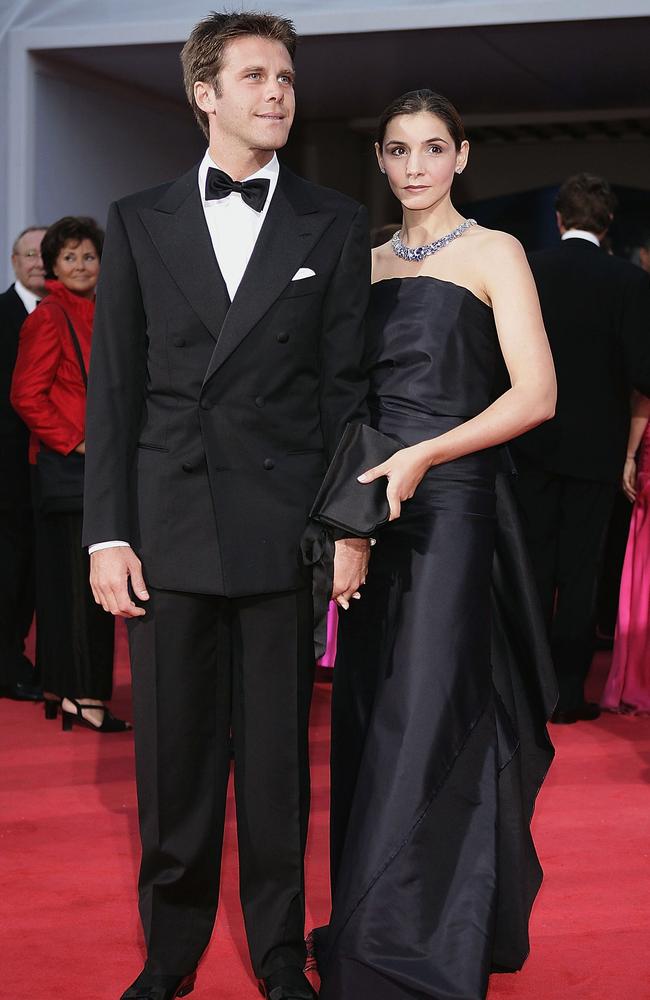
(204, 668)
(565, 523)
(16, 592)
(74, 636)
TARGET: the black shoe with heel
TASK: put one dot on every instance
(149, 987)
(51, 707)
(109, 723)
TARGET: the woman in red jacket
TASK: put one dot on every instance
(74, 637)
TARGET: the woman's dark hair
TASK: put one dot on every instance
(69, 229)
(586, 202)
(417, 101)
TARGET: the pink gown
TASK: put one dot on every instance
(329, 656)
(628, 684)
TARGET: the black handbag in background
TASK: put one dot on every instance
(352, 508)
(60, 478)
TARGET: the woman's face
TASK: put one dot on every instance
(420, 158)
(77, 267)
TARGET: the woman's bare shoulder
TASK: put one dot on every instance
(495, 240)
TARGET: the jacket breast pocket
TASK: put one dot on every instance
(305, 286)
(149, 446)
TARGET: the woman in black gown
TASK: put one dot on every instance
(441, 688)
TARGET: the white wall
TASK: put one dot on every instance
(95, 143)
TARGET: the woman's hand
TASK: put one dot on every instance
(404, 471)
(81, 448)
(629, 479)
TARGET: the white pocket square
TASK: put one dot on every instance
(303, 272)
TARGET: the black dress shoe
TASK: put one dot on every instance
(587, 712)
(22, 691)
(287, 984)
(150, 987)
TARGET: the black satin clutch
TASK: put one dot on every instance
(343, 503)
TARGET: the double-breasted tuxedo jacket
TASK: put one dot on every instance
(210, 423)
(209, 428)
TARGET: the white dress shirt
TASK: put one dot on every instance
(234, 227)
(28, 299)
(581, 234)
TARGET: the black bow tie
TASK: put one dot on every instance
(219, 185)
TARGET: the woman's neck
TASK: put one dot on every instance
(427, 225)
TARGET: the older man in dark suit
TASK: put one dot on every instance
(596, 311)
(226, 363)
(17, 678)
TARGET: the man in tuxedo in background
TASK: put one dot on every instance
(17, 678)
(226, 363)
(596, 311)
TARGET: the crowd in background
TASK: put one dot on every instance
(47, 322)
(596, 310)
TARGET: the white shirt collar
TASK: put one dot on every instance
(28, 299)
(271, 171)
(581, 234)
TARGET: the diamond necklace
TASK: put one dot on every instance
(419, 253)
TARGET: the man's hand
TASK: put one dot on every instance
(110, 570)
(350, 569)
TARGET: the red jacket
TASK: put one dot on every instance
(47, 390)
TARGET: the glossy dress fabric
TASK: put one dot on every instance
(433, 783)
(628, 684)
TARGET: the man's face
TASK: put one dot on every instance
(644, 258)
(27, 262)
(255, 106)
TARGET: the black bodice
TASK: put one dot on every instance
(432, 346)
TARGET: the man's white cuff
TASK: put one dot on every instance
(107, 545)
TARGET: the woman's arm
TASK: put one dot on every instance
(638, 423)
(39, 356)
(531, 398)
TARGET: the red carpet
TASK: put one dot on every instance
(68, 857)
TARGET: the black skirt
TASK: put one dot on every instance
(74, 636)
(442, 688)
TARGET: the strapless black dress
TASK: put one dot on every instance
(442, 689)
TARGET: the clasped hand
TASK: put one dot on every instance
(404, 471)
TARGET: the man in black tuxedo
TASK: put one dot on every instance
(596, 310)
(17, 678)
(226, 363)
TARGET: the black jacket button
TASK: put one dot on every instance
(283, 337)
(206, 404)
(186, 467)
(259, 401)
(178, 341)
(269, 464)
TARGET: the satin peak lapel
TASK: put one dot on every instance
(180, 234)
(287, 236)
